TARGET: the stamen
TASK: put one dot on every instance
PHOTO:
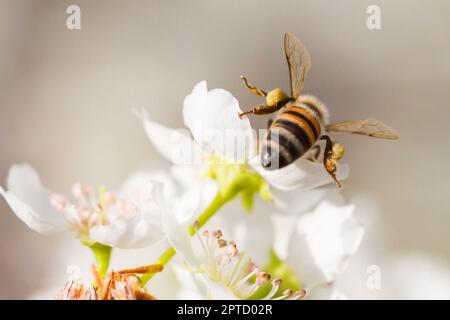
(299, 294)
(217, 234)
(213, 245)
(232, 249)
(275, 285)
(196, 225)
(252, 290)
(222, 243)
(276, 281)
(98, 208)
(236, 267)
(246, 278)
(286, 294)
(203, 244)
(224, 260)
(262, 278)
(225, 265)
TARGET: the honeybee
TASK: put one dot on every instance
(302, 120)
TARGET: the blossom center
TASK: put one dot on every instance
(232, 269)
(91, 209)
(237, 178)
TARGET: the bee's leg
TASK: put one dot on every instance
(261, 109)
(254, 90)
(330, 157)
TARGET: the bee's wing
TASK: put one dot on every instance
(369, 127)
(299, 62)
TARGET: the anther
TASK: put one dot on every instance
(196, 224)
(217, 234)
(224, 259)
(276, 281)
(232, 249)
(300, 294)
(287, 292)
(262, 278)
(222, 243)
(98, 208)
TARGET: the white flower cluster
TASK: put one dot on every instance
(295, 242)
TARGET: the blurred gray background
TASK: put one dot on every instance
(65, 100)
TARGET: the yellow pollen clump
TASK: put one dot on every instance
(275, 96)
(338, 151)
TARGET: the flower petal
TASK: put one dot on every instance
(127, 233)
(218, 291)
(212, 117)
(144, 226)
(253, 232)
(142, 183)
(30, 201)
(175, 145)
(301, 175)
(196, 192)
(297, 202)
(283, 227)
(175, 231)
(325, 292)
(323, 242)
(415, 276)
(194, 286)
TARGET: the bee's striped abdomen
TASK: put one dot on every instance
(289, 137)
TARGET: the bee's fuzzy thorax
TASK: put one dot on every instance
(316, 106)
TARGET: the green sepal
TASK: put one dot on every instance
(102, 255)
(234, 179)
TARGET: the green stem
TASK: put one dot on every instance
(162, 260)
(218, 202)
(209, 212)
(102, 255)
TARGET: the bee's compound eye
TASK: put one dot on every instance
(272, 159)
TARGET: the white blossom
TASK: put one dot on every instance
(130, 219)
(313, 249)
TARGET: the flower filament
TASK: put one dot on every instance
(229, 267)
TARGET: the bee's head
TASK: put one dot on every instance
(271, 157)
(275, 97)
